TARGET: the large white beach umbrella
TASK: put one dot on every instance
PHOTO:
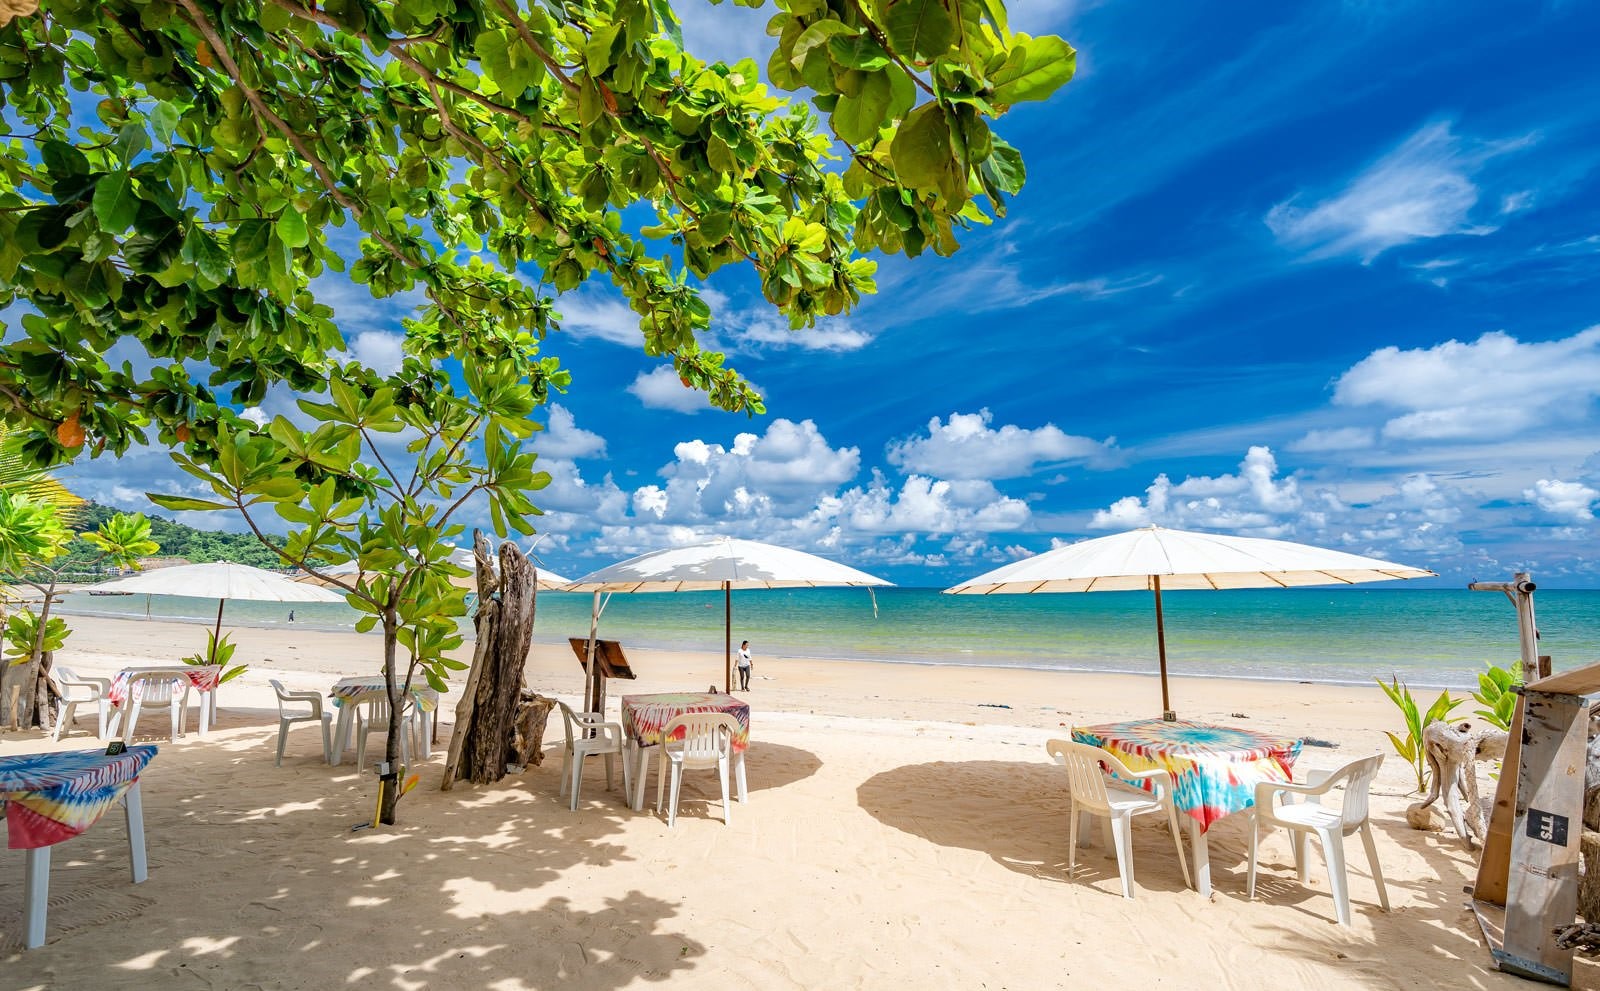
(724, 563)
(220, 580)
(1157, 558)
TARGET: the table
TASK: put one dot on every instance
(203, 677)
(645, 716)
(1214, 768)
(348, 693)
(53, 797)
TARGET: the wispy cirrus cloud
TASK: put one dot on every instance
(1427, 187)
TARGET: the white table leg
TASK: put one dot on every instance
(207, 700)
(35, 895)
(427, 734)
(738, 772)
(341, 734)
(133, 809)
(1202, 857)
(639, 776)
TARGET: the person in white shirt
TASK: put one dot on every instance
(744, 665)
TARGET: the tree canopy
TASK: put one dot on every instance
(178, 172)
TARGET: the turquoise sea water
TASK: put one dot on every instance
(1430, 637)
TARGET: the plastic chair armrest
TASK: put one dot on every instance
(1266, 790)
(1162, 779)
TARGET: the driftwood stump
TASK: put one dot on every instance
(480, 747)
(1453, 751)
(527, 743)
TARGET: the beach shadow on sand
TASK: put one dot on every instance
(1016, 813)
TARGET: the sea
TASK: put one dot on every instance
(1426, 637)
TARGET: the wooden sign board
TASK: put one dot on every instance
(607, 654)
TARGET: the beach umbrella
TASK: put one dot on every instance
(724, 563)
(220, 580)
(1156, 558)
(548, 581)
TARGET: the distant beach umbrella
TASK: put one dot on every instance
(724, 563)
(1157, 558)
(548, 581)
(220, 580)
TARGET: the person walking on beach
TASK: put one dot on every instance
(744, 665)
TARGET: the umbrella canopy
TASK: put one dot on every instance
(1157, 558)
(724, 563)
(220, 580)
(548, 581)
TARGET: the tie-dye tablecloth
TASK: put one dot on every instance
(1215, 767)
(53, 797)
(204, 677)
(645, 716)
(354, 691)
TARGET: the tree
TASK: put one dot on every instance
(32, 540)
(182, 170)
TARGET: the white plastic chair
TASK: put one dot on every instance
(287, 718)
(1331, 824)
(707, 742)
(75, 690)
(1098, 794)
(372, 716)
(154, 687)
(605, 741)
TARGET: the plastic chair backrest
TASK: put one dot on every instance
(1086, 772)
(707, 736)
(1357, 777)
(154, 686)
(566, 721)
(279, 690)
(378, 710)
(60, 673)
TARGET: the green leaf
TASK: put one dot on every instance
(859, 52)
(1036, 68)
(164, 121)
(921, 148)
(292, 228)
(921, 27)
(858, 118)
(115, 206)
(183, 504)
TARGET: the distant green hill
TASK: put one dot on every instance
(176, 540)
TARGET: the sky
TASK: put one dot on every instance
(1319, 272)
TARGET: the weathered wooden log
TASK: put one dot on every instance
(483, 621)
(485, 749)
(1589, 880)
(527, 744)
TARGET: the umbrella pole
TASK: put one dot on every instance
(1161, 648)
(727, 637)
(588, 672)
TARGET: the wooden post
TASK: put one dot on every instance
(727, 637)
(1161, 649)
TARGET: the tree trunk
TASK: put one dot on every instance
(483, 621)
(527, 745)
(33, 701)
(503, 650)
(389, 784)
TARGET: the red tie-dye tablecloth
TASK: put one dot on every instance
(645, 716)
(53, 797)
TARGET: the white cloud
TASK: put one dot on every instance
(660, 388)
(563, 438)
(379, 350)
(1569, 500)
(760, 326)
(1425, 188)
(781, 473)
(926, 506)
(968, 447)
(1254, 501)
(1495, 386)
(590, 313)
(1340, 439)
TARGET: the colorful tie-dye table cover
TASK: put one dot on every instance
(53, 797)
(354, 691)
(645, 716)
(1215, 768)
(204, 677)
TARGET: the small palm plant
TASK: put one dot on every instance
(1497, 694)
(1416, 719)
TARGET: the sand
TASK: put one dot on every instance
(903, 831)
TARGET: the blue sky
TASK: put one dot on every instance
(1314, 271)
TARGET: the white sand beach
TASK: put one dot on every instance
(904, 830)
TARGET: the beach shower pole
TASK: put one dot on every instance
(1161, 648)
(1520, 591)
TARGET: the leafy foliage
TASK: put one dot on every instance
(1416, 720)
(175, 540)
(24, 635)
(1496, 694)
(218, 651)
(31, 533)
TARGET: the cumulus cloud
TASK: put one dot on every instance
(1568, 500)
(1425, 188)
(379, 350)
(967, 446)
(1254, 501)
(660, 388)
(783, 472)
(563, 438)
(1495, 386)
